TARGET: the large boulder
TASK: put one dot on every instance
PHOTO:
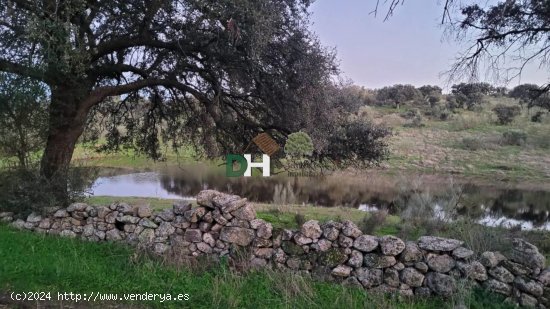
(411, 253)
(369, 277)
(374, 260)
(440, 263)
(350, 229)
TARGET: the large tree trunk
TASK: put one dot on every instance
(67, 120)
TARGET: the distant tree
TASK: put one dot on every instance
(470, 95)
(429, 90)
(23, 117)
(525, 93)
(506, 114)
(398, 94)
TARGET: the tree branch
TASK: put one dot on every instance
(10, 67)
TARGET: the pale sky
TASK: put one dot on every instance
(409, 48)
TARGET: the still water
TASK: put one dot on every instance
(489, 204)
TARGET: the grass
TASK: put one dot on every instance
(34, 262)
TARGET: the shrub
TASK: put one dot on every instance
(514, 137)
(472, 143)
(23, 190)
(505, 113)
(537, 117)
(371, 222)
(299, 144)
(300, 219)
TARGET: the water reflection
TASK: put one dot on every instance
(488, 204)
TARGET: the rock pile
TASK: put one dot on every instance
(336, 251)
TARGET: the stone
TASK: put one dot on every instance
(491, 259)
(128, 219)
(527, 301)
(544, 277)
(77, 207)
(341, 271)
(209, 239)
(345, 241)
(228, 203)
(181, 207)
(147, 223)
(434, 243)
(391, 277)
(422, 292)
(398, 266)
(160, 248)
(330, 232)
(291, 248)
(529, 286)
(113, 235)
(219, 218)
(102, 212)
(34, 218)
(352, 282)
(355, 259)
(501, 274)
(192, 235)
(301, 239)
(462, 253)
(412, 277)
(88, 230)
(526, 254)
(237, 235)
(166, 215)
(61, 213)
(144, 211)
(440, 263)
(311, 229)
(441, 284)
(258, 263)
(350, 229)
(45, 223)
(124, 208)
(411, 253)
(422, 267)
(264, 253)
(263, 228)
(473, 270)
(333, 257)
(516, 268)
(245, 212)
(111, 217)
(194, 215)
(391, 245)
(204, 247)
(205, 198)
(322, 245)
(496, 286)
(365, 243)
(293, 263)
(374, 260)
(165, 229)
(369, 277)
(67, 233)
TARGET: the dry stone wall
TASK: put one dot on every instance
(223, 224)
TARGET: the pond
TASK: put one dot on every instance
(490, 204)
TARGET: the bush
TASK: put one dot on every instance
(23, 190)
(506, 114)
(374, 220)
(299, 144)
(537, 117)
(514, 137)
(472, 143)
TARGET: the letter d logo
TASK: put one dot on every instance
(243, 165)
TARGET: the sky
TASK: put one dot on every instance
(409, 48)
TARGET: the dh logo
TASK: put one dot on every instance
(246, 164)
